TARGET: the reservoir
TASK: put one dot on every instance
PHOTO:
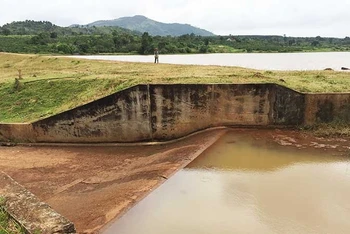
(263, 61)
(246, 184)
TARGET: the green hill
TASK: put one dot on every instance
(28, 27)
(143, 24)
(31, 27)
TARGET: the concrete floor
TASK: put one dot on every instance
(92, 185)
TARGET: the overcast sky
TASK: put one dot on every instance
(222, 17)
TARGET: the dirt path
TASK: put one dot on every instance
(93, 185)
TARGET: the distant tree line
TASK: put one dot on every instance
(45, 37)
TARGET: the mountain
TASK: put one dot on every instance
(143, 24)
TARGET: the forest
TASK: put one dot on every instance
(43, 37)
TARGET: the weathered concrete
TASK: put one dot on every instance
(288, 107)
(17, 132)
(27, 210)
(123, 116)
(326, 108)
(178, 110)
(165, 112)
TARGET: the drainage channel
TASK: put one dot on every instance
(244, 184)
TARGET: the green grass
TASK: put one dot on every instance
(51, 85)
(34, 100)
(8, 225)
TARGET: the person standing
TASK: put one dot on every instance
(156, 55)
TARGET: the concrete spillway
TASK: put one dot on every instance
(165, 112)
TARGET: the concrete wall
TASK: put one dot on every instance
(326, 108)
(178, 110)
(164, 112)
(123, 117)
(17, 133)
(288, 106)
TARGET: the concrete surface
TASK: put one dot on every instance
(93, 185)
(34, 215)
(165, 112)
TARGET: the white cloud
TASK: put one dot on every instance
(291, 17)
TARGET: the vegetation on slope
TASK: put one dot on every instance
(51, 84)
(143, 24)
(46, 38)
(31, 27)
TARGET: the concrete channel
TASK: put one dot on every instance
(93, 163)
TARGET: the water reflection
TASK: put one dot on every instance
(242, 186)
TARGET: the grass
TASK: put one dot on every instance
(35, 100)
(8, 225)
(330, 129)
(54, 84)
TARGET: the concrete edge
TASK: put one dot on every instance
(132, 144)
(168, 174)
(32, 214)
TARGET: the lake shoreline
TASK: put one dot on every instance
(262, 61)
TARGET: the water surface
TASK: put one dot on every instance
(264, 61)
(241, 185)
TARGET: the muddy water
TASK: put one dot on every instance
(241, 185)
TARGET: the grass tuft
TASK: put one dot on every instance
(8, 225)
(334, 129)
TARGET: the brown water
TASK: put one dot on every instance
(241, 185)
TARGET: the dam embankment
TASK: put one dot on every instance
(166, 112)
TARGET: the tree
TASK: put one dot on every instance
(41, 39)
(65, 48)
(6, 31)
(315, 43)
(146, 44)
(203, 49)
(53, 35)
(291, 42)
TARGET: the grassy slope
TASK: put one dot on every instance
(52, 85)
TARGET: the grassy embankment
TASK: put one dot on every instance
(51, 85)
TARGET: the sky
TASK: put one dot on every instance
(222, 17)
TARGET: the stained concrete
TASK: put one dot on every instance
(123, 116)
(165, 112)
(288, 107)
(178, 110)
(34, 215)
(326, 108)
